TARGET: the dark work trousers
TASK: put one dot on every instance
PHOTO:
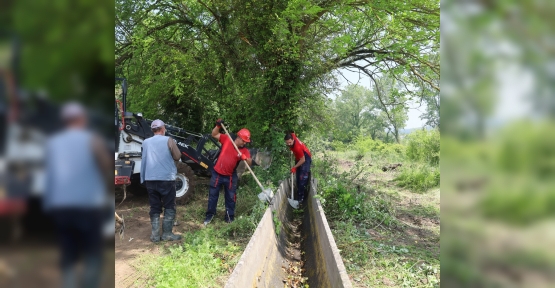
(80, 235)
(302, 178)
(161, 194)
(230, 186)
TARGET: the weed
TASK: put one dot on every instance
(423, 146)
(418, 178)
(363, 222)
(277, 222)
(206, 256)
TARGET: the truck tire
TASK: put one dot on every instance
(184, 183)
(136, 188)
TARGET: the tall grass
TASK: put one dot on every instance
(418, 178)
(422, 149)
(206, 256)
(423, 146)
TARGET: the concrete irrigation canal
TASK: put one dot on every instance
(291, 247)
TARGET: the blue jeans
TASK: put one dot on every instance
(230, 186)
(302, 178)
(161, 194)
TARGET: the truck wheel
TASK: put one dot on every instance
(136, 188)
(184, 183)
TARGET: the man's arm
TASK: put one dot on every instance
(301, 161)
(245, 153)
(102, 156)
(216, 133)
(249, 161)
(176, 154)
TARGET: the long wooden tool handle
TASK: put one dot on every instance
(292, 189)
(233, 142)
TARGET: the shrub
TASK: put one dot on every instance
(526, 148)
(338, 146)
(419, 178)
(344, 202)
(519, 201)
(423, 146)
(363, 145)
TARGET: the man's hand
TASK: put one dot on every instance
(294, 170)
(219, 122)
(242, 156)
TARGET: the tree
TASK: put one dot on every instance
(392, 102)
(431, 116)
(350, 108)
(65, 49)
(377, 123)
(263, 64)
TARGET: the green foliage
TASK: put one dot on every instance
(192, 264)
(376, 260)
(365, 145)
(528, 149)
(423, 146)
(347, 203)
(344, 200)
(390, 99)
(360, 111)
(350, 117)
(66, 48)
(206, 255)
(418, 178)
(522, 202)
(338, 146)
(266, 68)
(277, 223)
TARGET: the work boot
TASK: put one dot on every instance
(229, 218)
(167, 226)
(208, 219)
(155, 221)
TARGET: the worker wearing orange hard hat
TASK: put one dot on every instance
(225, 171)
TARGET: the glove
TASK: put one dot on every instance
(242, 156)
(294, 170)
(219, 122)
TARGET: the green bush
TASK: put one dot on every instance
(198, 262)
(338, 146)
(526, 148)
(519, 201)
(423, 146)
(364, 145)
(342, 199)
(419, 178)
(344, 202)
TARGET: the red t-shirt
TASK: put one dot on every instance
(227, 161)
(299, 148)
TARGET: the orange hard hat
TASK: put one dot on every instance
(245, 134)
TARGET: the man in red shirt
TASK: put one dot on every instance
(225, 173)
(303, 160)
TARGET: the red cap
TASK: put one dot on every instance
(245, 134)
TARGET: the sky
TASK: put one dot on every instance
(415, 110)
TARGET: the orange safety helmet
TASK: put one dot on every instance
(245, 134)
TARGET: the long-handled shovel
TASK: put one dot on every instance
(294, 203)
(267, 194)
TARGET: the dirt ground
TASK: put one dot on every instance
(136, 242)
(35, 264)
